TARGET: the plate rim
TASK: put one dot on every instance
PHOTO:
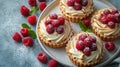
(50, 55)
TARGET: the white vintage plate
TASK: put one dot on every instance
(60, 54)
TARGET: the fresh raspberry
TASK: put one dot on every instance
(78, 1)
(70, 2)
(84, 2)
(42, 6)
(82, 37)
(55, 23)
(106, 12)
(117, 17)
(53, 16)
(16, 36)
(111, 24)
(61, 20)
(80, 45)
(86, 22)
(32, 19)
(48, 22)
(24, 10)
(110, 17)
(93, 47)
(24, 32)
(42, 57)
(27, 41)
(87, 51)
(103, 20)
(110, 46)
(93, 39)
(114, 11)
(77, 6)
(32, 3)
(53, 63)
(60, 29)
(42, 0)
(50, 28)
(87, 42)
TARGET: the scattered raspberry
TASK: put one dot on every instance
(53, 63)
(16, 36)
(60, 29)
(50, 28)
(80, 45)
(24, 32)
(27, 41)
(32, 3)
(53, 16)
(110, 46)
(61, 20)
(24, 10)
(86, 22)
(32, 19)
(42, 6)
(42, 57)
(87, 51)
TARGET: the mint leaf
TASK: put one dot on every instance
(33, 10)
(32, 34)
(83, 27)
(88, 30)
(24, 25)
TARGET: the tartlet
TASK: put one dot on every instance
(106, 24)
(85, 49)
(54, 31)
(76, 11)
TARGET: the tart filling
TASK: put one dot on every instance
(55, 29)
(86, 50)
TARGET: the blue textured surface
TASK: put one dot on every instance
(13, 54)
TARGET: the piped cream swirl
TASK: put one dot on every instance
(103, 28)
(79, 54)
(73, 12)
(55, 37)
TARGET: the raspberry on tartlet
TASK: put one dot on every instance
(76, 10)
(82, 46)
(106, 24)
(54, 30)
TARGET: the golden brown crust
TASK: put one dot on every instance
(51, 44)
(103, 37)
(74, 18)
(83, 64)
